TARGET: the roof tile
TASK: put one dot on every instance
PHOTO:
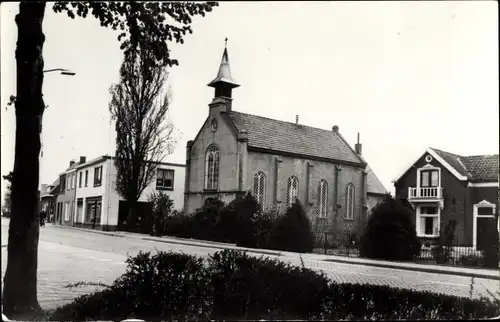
(477, 168)
(289, 137)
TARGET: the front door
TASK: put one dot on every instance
(484, 231)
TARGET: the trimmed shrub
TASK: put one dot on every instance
(161, 210)
(253, 288)
(237, 221)
(233, 285)
(390, 233)
(491, 251)
(161, 286)
(264, 223)
(292, 231)
(374, 302)
(203, 223)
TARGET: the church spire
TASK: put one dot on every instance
(224, 83)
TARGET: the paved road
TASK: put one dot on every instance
(70, 256)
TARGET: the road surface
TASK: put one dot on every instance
(69, 256)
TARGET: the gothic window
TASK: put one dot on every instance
(212, 168)
(259, 187)
(322, 199)
(292, 190)
(349, 201)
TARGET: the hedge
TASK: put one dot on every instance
(233, 285)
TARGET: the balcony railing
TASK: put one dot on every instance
(425, 193)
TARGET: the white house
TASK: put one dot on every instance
(97, 202)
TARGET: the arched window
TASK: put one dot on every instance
(322, 203)
(349, 201)
(212, 168)
(292, 190)
(259, 187)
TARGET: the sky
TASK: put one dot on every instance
(405, 75)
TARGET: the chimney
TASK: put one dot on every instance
(83, 160)
(357, 147)
(296, 119)
(335, 128)
(71, 163)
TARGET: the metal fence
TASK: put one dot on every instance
(346, 243)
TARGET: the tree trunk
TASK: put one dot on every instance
(20, 282)
(132, 215)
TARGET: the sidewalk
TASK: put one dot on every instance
(438, 269)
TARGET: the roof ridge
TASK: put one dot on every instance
(276, 120)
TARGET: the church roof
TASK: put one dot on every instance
(373, 183)
(266, 133)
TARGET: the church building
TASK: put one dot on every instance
(278, 162)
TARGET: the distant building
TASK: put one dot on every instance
(447, 188)
(65, 201)
(48, 199)
(99, 206)
(278, 162)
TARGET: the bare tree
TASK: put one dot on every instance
(139, 105)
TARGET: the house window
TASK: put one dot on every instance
(429, 178)
(292, 190)
(68, 183)
(93, 211)
(212, 168)
(86, 177)
(80, 180)
(97, 176)
(259, 187)
(165, 179)
(428, 221)
(322, 199)
(63, 184)
(74, 181)
(349, 201)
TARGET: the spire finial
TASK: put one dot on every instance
(225, 40)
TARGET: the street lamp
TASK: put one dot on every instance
(62, 70)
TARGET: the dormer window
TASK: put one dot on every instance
(429, 178)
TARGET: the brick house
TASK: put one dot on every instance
(65, 201)
(277, 161)
(447, 188)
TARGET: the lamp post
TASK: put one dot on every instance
(62, 70)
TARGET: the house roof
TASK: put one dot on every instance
(266, 133)
(373, 184)
(482, 167)
(475, 168)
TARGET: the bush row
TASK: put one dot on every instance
(233, 285)
(243, 223)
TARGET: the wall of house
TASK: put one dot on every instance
(456, 206)
(225, 139)
(308, 187)
(66, 197)
(113, 198)
(90, 190)
(476, 195)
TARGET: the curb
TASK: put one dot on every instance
(419, 269)
(207, 244)
(250, 250)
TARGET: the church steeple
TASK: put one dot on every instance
(223, 83)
